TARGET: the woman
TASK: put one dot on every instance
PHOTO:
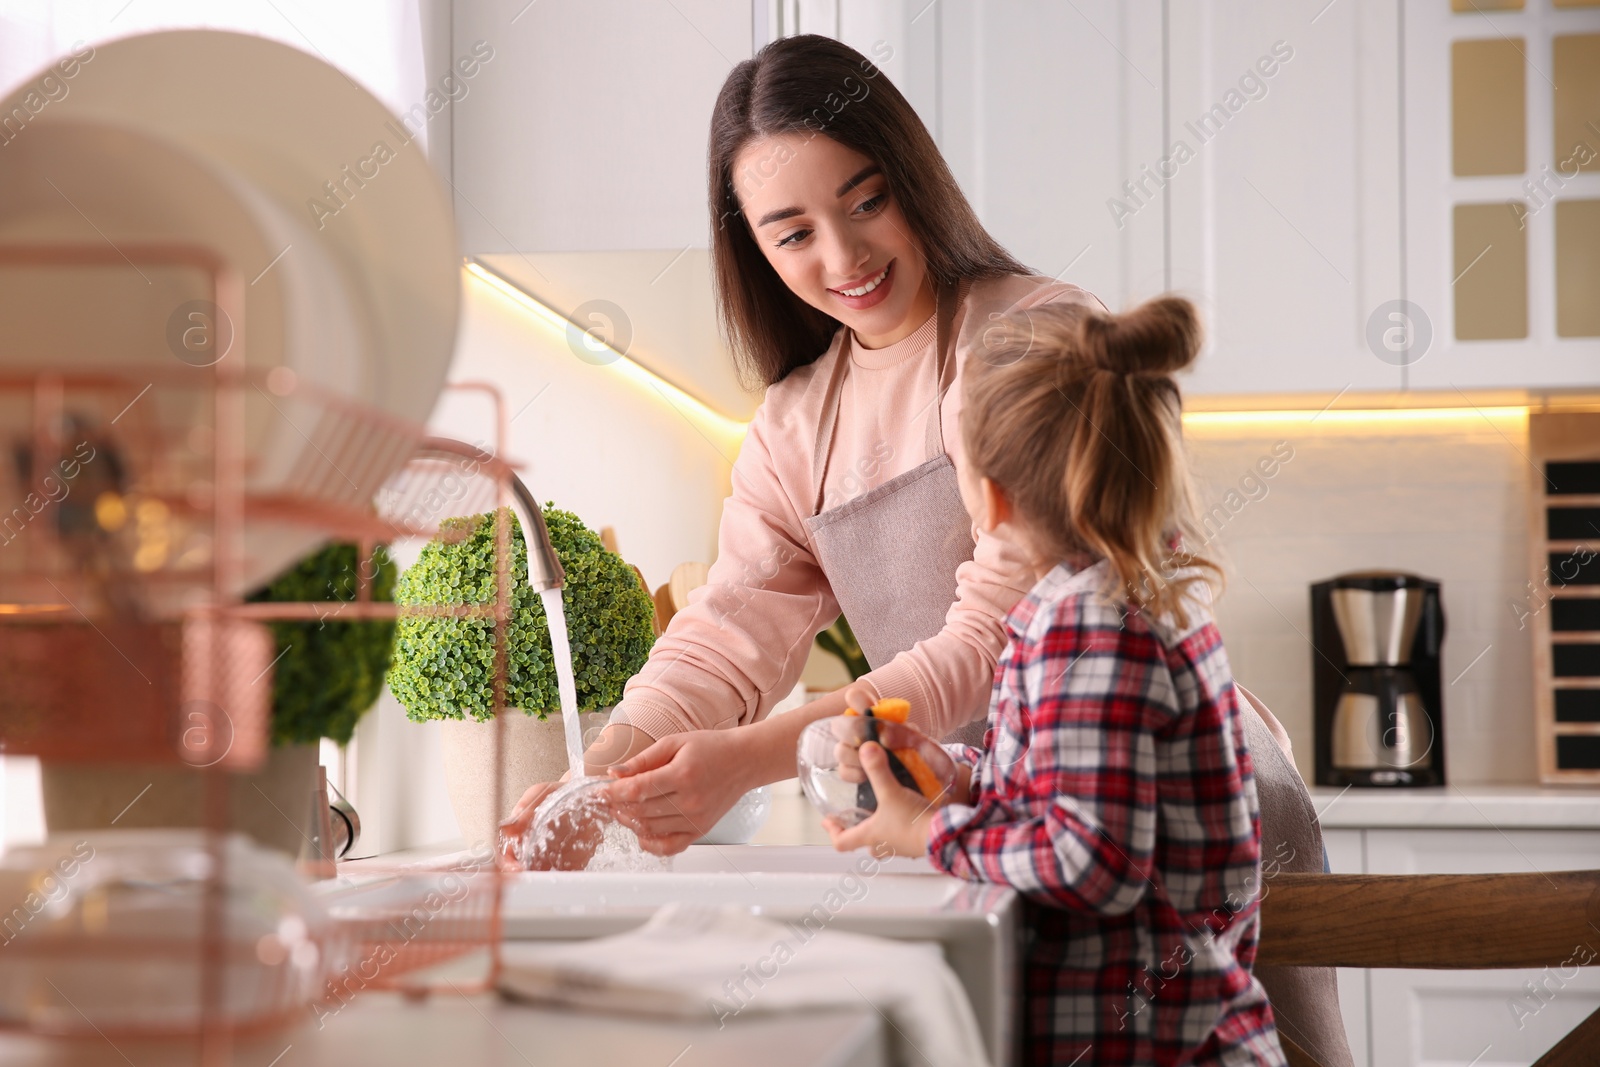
(850, 274)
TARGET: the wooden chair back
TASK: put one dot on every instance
(1436, 921)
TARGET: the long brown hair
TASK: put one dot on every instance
(817, 85)
(1075, 414)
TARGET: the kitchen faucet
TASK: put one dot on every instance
(544, 569)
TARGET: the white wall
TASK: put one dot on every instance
(379, 43)
(1445, 500)
(21, 811)
(595, 442)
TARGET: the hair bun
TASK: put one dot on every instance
(1154, 340)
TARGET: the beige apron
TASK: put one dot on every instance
(890, 555)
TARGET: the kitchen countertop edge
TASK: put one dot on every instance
(1509, 807)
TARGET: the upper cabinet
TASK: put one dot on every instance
(1284, 192)
(1244, 153)
(1050, 116)
(1361, 194)
(1502, 153)
(586, 131)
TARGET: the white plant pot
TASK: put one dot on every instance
(534, 751)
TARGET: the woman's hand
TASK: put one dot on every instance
(673, 792)
(567, 842)
(900, 825)
(614, 745)
(513, 829)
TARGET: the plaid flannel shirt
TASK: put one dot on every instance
(1116, 794)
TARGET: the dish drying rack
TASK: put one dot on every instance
(179, 685)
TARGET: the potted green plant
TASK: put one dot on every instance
(840, 642)
(443, 665)
(327, 673)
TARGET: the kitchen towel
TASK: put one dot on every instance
(697, 962)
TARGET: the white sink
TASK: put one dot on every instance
(783, 859)
(976, 926)
(611, 891)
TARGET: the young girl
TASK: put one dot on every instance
(1116, 792)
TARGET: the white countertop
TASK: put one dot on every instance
(385, 1029)
(1479, 807)
(1472, 807)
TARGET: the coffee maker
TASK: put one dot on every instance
(1377, 697)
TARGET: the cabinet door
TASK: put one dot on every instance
(1346, 852)
(1346, 855)
(1481, 851)
(587, 131)
(1044, 111)
(1285, 189)
(1478, 1017)
(1502, 212)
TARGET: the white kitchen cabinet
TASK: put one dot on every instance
(1480, 851)
(1347, 855)
(1410, 1018)
(1285, 209)
(1345, 851)
(1462, 1018)
(1245, 154)
(1444, 274)
(1483, 1018)
(587, 129)
(1044, 111)
(1356, 1013)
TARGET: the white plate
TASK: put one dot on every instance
(289, 122)
(230, 139)
(123, 316)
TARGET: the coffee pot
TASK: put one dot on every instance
(1383, 725)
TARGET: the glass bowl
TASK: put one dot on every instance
(576, 829)
(831, 775)
(747, 816)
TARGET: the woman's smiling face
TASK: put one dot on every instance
(825, 219)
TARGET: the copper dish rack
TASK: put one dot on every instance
(182, 690)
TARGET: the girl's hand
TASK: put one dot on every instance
(858, 696)
(900, 824)
(961, 792)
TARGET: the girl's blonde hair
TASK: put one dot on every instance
(1074, 413)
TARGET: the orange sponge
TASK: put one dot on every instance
(894, 709)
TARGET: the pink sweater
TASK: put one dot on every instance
(742, 641)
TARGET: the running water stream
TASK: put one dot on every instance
(561, 649)
(616, 848)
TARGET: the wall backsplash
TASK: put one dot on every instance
(1295, 501)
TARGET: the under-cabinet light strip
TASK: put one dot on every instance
(735, 429)
(1353, 415)
(684, 403)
